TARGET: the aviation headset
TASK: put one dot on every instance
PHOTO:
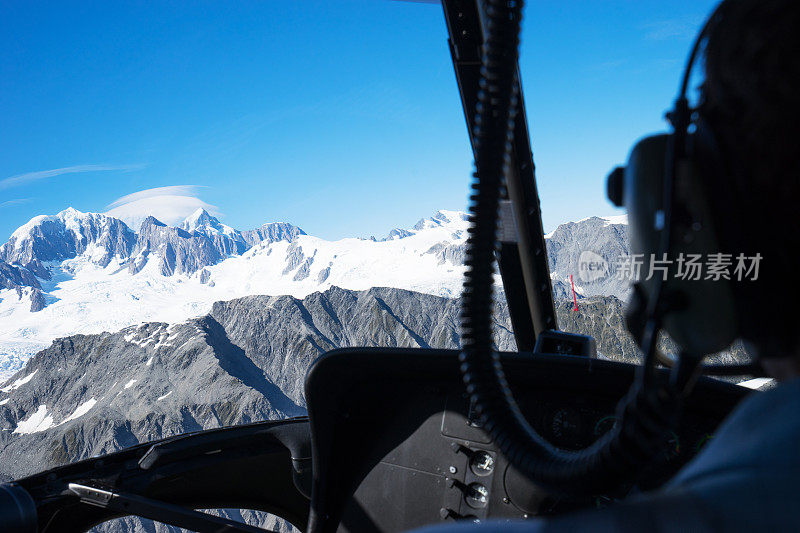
(665, 187)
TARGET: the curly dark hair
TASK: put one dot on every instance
(751, 99)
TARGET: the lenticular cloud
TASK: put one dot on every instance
(170, 205)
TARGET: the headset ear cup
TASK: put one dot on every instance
(643, 196)
(701, 317)
(706, 321)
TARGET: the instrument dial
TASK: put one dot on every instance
(566, 426)
(481, 463)
(477, 496)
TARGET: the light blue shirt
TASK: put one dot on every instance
(746, 479)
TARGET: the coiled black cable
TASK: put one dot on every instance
(646, 415)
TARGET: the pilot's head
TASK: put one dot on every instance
(751, 100)
(734, 183)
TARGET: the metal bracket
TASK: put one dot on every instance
(508, 226)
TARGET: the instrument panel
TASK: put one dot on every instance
(419, 457)
(450, 454)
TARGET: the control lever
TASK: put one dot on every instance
(444, 514)
(163, 512)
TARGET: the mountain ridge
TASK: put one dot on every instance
(70, 233)
(98, 275)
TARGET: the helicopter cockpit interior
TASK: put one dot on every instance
(397, 439)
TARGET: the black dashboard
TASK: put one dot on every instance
(396, 444)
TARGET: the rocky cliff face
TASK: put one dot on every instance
(272, 232)
(244, 361)
(603, 318)
(595, 243)
(12, 277)
(175, 250)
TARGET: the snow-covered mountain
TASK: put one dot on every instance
(68, 234)
(199, 241)
(87, 273)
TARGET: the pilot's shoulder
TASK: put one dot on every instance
(762, 432)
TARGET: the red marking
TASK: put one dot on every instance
(574, 298)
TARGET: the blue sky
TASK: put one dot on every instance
(341, 117)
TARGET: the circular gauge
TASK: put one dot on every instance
(477, 496)
(481, 463)
(703, 441)
(566, 425)
(673, 446)
(604, 425)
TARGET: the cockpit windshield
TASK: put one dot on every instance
(197, 201)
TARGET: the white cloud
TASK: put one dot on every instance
(22, 179)
(15, 201)
(170, 205)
